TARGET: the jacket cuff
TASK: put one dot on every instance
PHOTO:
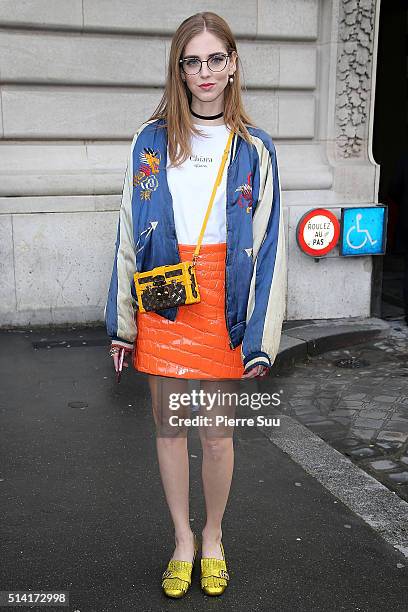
(119, 342)
(257, 358)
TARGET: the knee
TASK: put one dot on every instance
(165, 428)
(217, 448)
(172, 443)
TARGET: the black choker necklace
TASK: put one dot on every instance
(206, 117)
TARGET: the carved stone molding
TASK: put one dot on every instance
(353, 83)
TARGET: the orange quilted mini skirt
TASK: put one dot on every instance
(196, 343)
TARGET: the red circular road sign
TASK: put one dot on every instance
(318, 232)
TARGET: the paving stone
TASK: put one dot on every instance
(362, 452)
(326, 402)
(305, 415)
(324, 424)
(362, 412)
(320, 423)
(402, 400)
(325, 395)
(345, 421)
(397, 416)
(304, 409)
(401, 426)
(306, 387)
(384, 464)
(350, 442)
(391, 446)
(343, 412)
(384, 408)
(366, 422)
(355, 396)
(364, 434)
(388, 399)
(375, 414)
(403, 492)
(392, 435)
(401, 477)
(313, 415)
(332, 437)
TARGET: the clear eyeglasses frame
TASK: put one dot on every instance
(216, 63)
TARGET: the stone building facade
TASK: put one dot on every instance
(76, 80)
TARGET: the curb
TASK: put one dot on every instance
(302, 339)
(364, 495)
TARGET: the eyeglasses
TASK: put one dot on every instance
(216, 63)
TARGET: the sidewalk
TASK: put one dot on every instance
(356, 399)
(314, 336)
(84, 510)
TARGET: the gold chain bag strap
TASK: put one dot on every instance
(175, 285)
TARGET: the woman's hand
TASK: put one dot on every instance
(258, 370)
(116, 355)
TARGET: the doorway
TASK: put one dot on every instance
(390, 147)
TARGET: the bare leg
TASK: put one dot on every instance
(218, 465)
(172, 452)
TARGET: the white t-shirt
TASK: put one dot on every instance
(191, 186)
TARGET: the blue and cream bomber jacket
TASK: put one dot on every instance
(255, 270)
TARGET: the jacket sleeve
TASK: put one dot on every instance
(267, 294)
(120, 307)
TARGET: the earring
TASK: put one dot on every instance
(231, 79)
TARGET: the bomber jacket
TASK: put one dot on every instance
(255, 270)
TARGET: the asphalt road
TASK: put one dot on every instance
(83, 508)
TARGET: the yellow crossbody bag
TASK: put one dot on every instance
(175, 285)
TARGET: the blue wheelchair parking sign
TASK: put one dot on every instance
(363, 230)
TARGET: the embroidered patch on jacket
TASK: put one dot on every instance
(145, 177)
(245, 196)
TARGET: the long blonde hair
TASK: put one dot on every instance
(174, 107)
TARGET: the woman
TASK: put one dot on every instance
(233, 333)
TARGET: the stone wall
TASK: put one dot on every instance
(77, 78)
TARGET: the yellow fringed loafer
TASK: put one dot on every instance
(214, 575)
(176, 579)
